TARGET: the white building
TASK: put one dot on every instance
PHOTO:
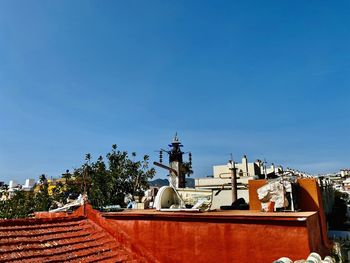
(29, 185)
(344, 173)
(220, 182)
(14, 186)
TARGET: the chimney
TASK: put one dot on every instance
(245, 165)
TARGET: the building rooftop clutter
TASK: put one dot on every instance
(69, 239)
(88, 235)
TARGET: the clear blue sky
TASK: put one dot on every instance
(269, 79)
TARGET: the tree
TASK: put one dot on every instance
(187, 168)
(105, 183)
(138, 176)
(42, 198)
(108, 184)
(99, 187)
(19, 206)
(58, 196)
(25, 203)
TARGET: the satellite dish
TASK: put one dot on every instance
(166, 198)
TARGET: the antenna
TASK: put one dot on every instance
(233, 172)
(264, 167)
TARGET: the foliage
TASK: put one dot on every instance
(42, 198)
(187, 168)
(105, 184)
(58, 195)
(24, 203)
(19, 206)
(108, 183)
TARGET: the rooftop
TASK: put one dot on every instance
(71, 239)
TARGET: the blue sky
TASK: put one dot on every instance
(269, 79)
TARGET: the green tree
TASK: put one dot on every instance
(58, 195)
(42, 198)
(74, 184)
(187, 168)
(107, 184)
(138, 176)
(98, 186)
(19, 206)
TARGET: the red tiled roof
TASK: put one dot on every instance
(72, 239)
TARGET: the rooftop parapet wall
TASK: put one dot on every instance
(230, 236)
(309, 199)
(227, 236)
(135, 251)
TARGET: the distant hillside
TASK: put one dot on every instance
(163, 182)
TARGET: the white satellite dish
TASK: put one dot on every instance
(167, 197)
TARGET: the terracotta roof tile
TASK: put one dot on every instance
(58, 240)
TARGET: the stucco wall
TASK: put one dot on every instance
(237, 236)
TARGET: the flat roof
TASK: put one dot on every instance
(149, 214)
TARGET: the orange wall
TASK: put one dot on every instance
(200, 238)
(254, 185)
(309, 199)
(164, 237)
(174, 241)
